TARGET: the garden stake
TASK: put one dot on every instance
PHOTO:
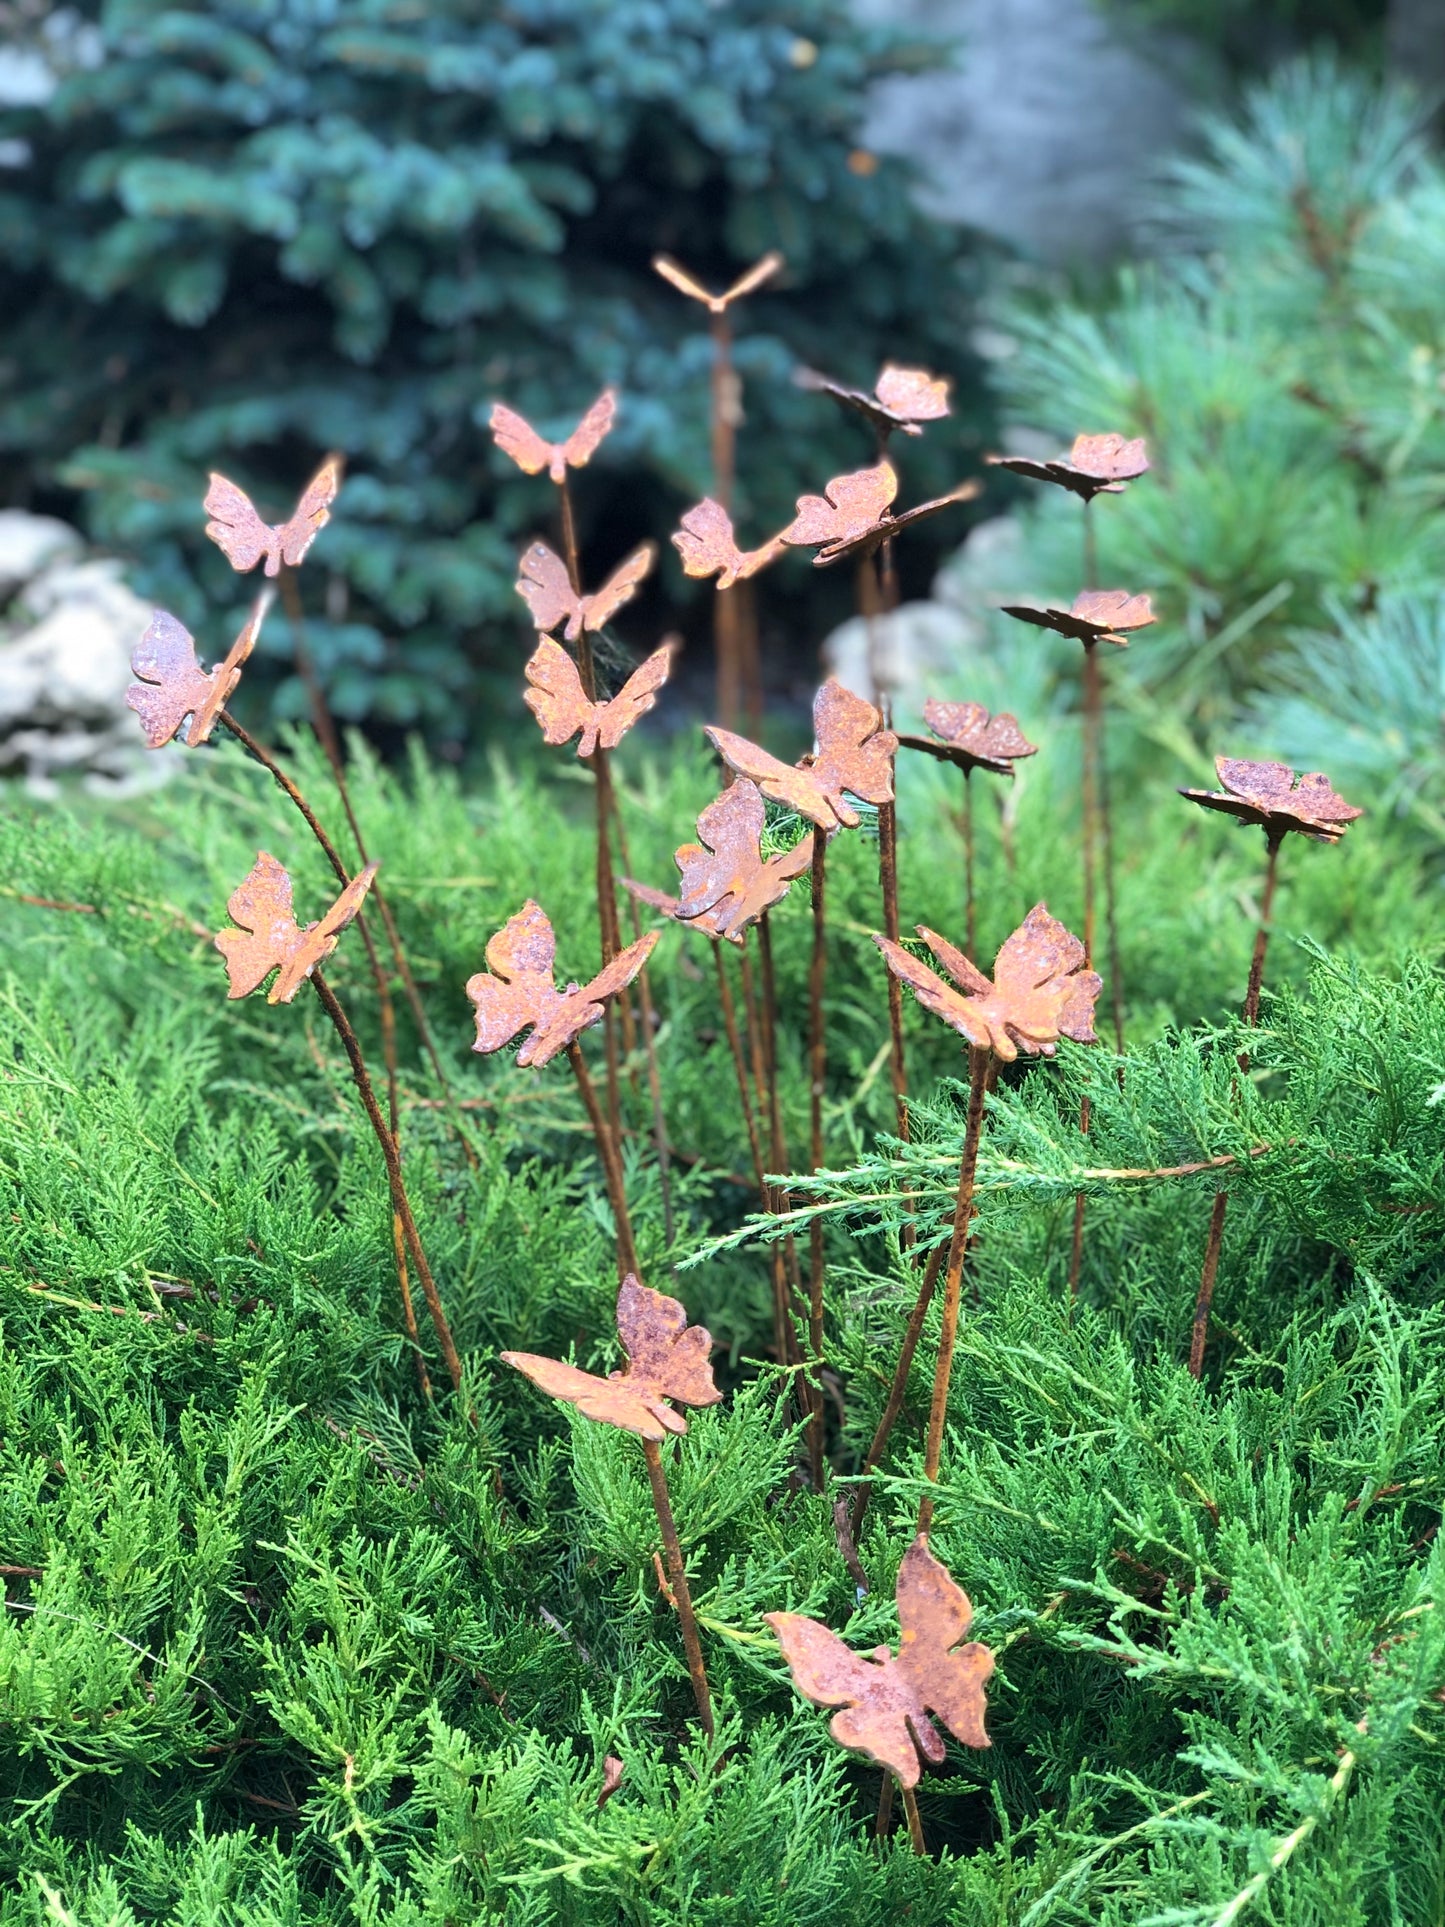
(736, 661)
(1095, 616)
(777, 1143)
(915, 1824)
(902, 399)
(965, 735)
(266, 937)
(666, 1359)
(518, 992)
(1042, 990)
(1272, 796)
(883, 1825)
(885, 1700)
(853, 515)
(817, 1079)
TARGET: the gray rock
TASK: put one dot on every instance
(30, 543)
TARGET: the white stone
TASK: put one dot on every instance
(30, 543)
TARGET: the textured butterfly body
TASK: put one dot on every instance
(518, 992)
(886, 1701)
(268, 937)
(1278, 800)
(516, 437)
(1040, 990)
(725, 877)
(1095, 465)
(666, 1359)
(1098, 615)
(902, 398)
(556, 698)
(244, 539)
(854, 754)
(969, 737)
(546, 588)
(173, 684)
(708, 546)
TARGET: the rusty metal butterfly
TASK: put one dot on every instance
(854, 754)
(965, 735)
(173, 684)
(532, 452)
(853, 514)
(557, 699)
(1095, 465)
(1098, 615)
(902, 398)
(1040, 990)
(545, 587)
(518, 991)
(886, 1701)
(1278, 800)
(244, 539)
(268, 937)
(753, 278)
(708, 546)
(666, 1359)
(724, 875)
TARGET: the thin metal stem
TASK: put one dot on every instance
(735, 1045)
(1209, 1271)
(268, 762)
(649, 1040)
(883, 1825)
(978, 1067)
(401, 1203)
(968, 896)
(677, 1577)
(727, 627)
(611, 1159)
(915, 1823)
(1093, 711)
(817, 1078)
(782, 1199)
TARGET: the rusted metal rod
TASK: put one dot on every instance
(401, 1203)
(978, 1069)
(611, 1160)
(677, 1578)
(817, 1079)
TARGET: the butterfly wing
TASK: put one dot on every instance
(1110, 613)
(636, 696)
(576, 1010)
(1108, 458)
(607, 1400)
(173, 685)
(730, 849)
(678, 276)
(266, 930)
(762, 270)
(666, 1357)
(1042, 990)
(961, 1013)
(517, 987)
(518, 439)
(850, 506)
(310, 516)
(555, 697)
(654, 899)
(543, 584)
(855, 753)
(236, 529)
(874, 1720)
(619, 588)
(223, 679)
(964, 973)
(582, 444)
(784, 782)
(912, 394)
(934, 1614)
(707, 543)
(319, 939)
(619, 973)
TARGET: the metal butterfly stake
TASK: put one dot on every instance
(854, 517)
(1042, 990)
(245, 539)
(739, 673)
(854, 756)
(1278, 801)
(265, 937)
(667, 1362)
(1097, 465)
(518, 992)
(965, 735)
(886, 1699)
(726, 885)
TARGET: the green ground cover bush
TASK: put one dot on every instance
(284, 1643)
